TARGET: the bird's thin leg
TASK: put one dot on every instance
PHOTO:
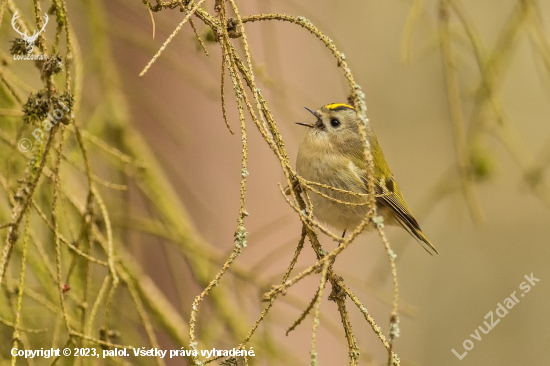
(343, 234)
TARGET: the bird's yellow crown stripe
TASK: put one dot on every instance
(338, 105)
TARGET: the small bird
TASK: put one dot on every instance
(331, 153)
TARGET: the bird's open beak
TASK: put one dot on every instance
(310, 125)
(312, 112)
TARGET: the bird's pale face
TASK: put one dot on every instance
(333, 121)
(335, 128)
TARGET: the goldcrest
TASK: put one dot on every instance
(332, 154)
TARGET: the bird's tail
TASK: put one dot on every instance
(417, 233)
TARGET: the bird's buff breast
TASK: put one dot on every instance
(322, 165)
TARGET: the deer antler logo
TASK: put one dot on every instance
(29, 40)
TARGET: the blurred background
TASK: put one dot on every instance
(458, 94)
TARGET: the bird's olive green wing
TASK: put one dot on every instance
(391, 197)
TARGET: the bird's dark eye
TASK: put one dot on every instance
(334, 122)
